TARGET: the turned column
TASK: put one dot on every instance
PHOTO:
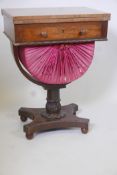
(53, 106)
(53, 101)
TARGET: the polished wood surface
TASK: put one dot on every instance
(54, 25)
(58, 31)
(37, 15)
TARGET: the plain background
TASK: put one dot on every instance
(65, 151)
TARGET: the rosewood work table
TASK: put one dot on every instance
(52, 47)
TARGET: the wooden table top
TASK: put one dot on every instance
(60, 14)
(25, 26)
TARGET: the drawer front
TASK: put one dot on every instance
(58, 31)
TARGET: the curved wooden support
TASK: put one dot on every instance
(28, 76)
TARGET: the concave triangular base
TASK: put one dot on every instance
(40, 123)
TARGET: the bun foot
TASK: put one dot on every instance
(84, 130)
(29, 136)
(23, 118)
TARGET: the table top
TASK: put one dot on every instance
(36, 15)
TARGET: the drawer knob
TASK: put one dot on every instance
(83, 32)
(44, 34)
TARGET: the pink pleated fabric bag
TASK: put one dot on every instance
(57, 64)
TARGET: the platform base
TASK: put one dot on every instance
(40, 123)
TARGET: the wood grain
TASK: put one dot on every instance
(54, 25)
(58, 31)
(48, 15)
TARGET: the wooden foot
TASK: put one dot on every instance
(40, 123)
(23, 118)
(84, 130)
(29, 136)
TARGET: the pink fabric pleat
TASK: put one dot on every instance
(57, 64)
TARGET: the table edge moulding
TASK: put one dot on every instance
(68, 33)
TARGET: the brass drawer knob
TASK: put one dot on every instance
(44, 34)
(83, 32)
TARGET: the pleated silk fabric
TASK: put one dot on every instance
(57, 64)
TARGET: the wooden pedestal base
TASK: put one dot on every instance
(41, 123)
